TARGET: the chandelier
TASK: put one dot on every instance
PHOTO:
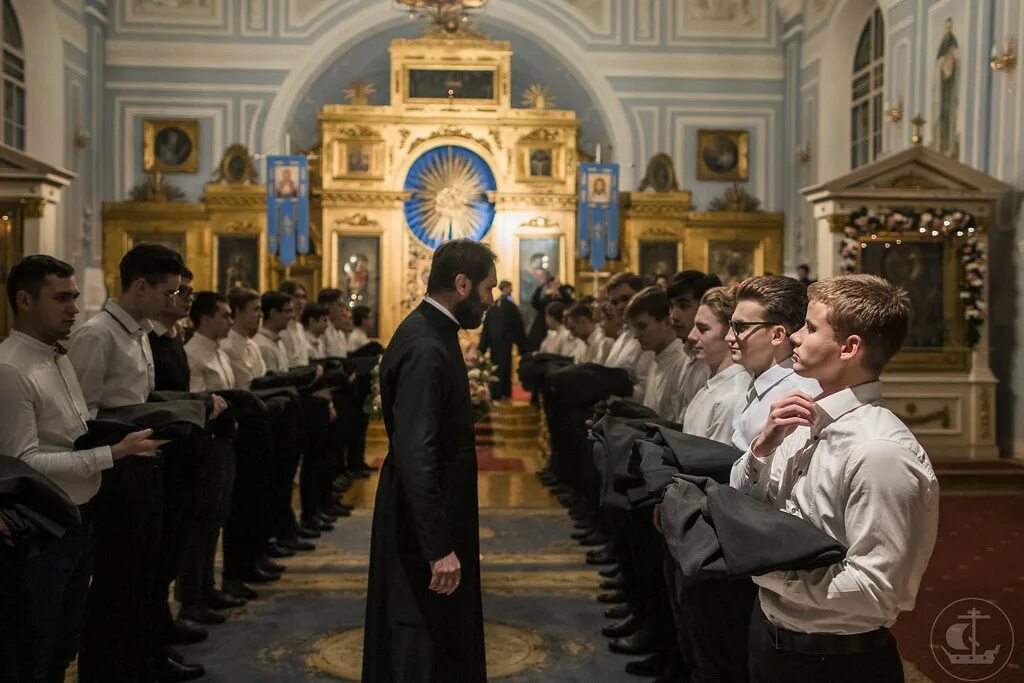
(449, 15)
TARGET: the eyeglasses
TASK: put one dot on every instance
(186, 294)
(171, 294)
(738, 327)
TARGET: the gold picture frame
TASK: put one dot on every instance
(723, 155)
(408, 88)
(540, 163)
(357, 159)
(170, 145)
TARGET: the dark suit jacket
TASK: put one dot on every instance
(31, 505)
(503, 330)
(170, 363)
(426, 508)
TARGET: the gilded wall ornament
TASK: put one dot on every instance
(236, 167)
(357, 219)
(451, 131)
(360, 92)
(538, 96)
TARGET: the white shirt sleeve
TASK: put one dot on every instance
(87, 353)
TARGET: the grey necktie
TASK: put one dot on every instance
(751, 395)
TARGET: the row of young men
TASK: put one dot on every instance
(152, 511)
(795, 388)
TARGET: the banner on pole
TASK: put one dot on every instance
(287, 207)
(598, 213)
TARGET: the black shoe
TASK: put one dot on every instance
(172, 653)
(639, 643)
(257, 575)
(326, 518)
(583, 532)
(221, 600)
(613, 584)
(305, 532)
(168, 670)
(240, 589)
(626, 627)
(295, 544)
(612, 597)
(316, 524)
(620, 611)
(609, 572)
(201, 614)
(603, 555)
(275, 550)
(269, 566)
(345, 506)
(184, 633)
(594, 539)
(338, 511)
(359, 474)
(648, 666)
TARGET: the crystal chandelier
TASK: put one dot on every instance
(449, 15)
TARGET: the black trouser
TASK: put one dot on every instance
(248, 523)
(46, 587)
(502, 359)
(287, 426)
(117, 630)
(813, 659)
(313, 476)
(217, 477)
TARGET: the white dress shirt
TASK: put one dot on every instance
(859, 475)
(272, 349)
(710, 411)
(752, 409)
(43, 413)
(209, 366)
(316, 346)
(112, 358)
(294, 339)
(673, 380)
(562, 342)
(624, 351)
(595, 348)
(336, 343)
(244, 357)
(357, 339)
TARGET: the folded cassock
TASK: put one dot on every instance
(169, 420)
(582, 386)
(31, 505)
(535, 367)
(617, 424)
(714, 531)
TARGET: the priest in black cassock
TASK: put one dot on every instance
(424, 620)
(503, 329)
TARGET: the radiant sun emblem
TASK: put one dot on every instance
(449, 187)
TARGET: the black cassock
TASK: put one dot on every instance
(426, 507)
(503, 329)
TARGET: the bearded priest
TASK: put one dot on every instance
(424, 620)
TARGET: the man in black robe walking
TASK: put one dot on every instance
(503, 329)
(424, 620)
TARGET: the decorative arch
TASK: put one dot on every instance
(44, 64)
(509, 16)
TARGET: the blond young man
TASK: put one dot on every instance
(710, 412)
(845, 463)
(579, 320)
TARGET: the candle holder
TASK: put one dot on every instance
(1007, 60)
(894, 114)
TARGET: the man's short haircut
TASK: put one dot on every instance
(556, 309)
(721, 301)
(651, 300)
(273, 301)
(239, 298)
(691, 284)
(868, 306)
(804, 266)
(586, 299)
(291, 287)
(634, 281)
(206, 304)
(503, 284)
(581, 310)
(186, 274)
(150, 262)
(328, 295)
(784, 299)
(29, 274)
(360, 314)
(472, 259)
(312, 312)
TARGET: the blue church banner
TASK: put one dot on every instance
(450, 190)
(598, 213)
(287, 207)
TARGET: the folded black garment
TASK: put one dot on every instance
(618, 406)
(534, 367)
(665, 452)
(274, 392)
(169, 420)
(30, 496)
(371, 349)
(581, 386)
(613, 439)
(331, 363)
(714, 531)
(361, 365)
(300, 378)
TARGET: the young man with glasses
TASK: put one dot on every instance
(113, 359)
(769, 308)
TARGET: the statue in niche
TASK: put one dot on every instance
(947, 94)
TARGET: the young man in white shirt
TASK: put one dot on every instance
(209, 366)
(580, 322)
(768, 309)
(294, 336)
(358, 338)
(114, 364)
(277, 313)
(240, 346)
(315, 320)
(44, 412)
(710, 412)
(559, 340)
(669, 387)
(845, 463)
(336, 338)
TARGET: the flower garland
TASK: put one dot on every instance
(957, 226)
(480, 370)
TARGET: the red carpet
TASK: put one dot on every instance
(978, 555)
